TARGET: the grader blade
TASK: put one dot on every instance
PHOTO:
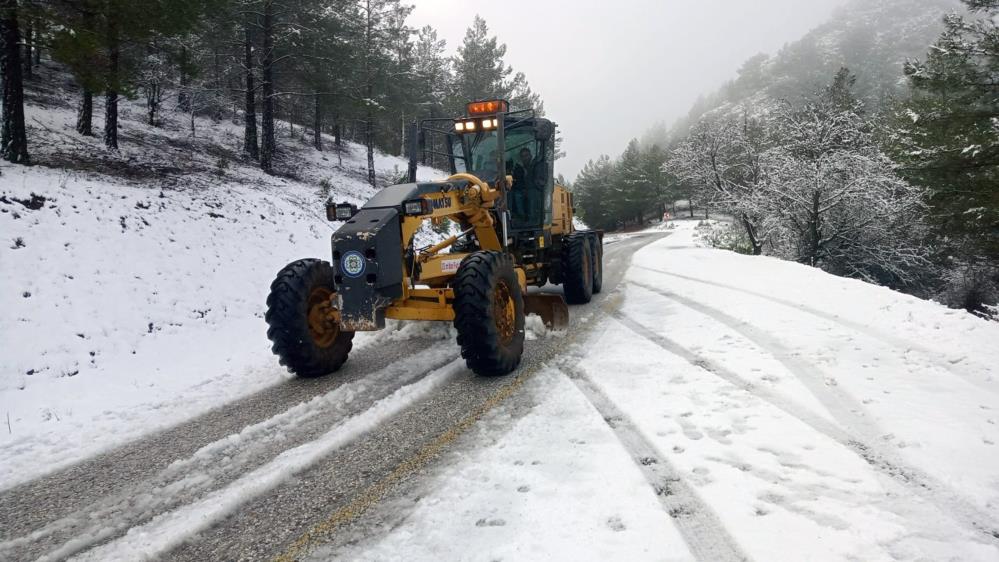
(551, 308)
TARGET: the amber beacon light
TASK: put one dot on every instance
(487, 107)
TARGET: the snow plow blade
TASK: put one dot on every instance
(552, 309)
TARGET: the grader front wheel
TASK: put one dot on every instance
(489, 313)
(303, 324)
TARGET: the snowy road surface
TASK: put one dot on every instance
(281, 459)
(707, 406)
(730, 408)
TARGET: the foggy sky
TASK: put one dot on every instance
(608, 69)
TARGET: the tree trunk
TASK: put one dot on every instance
(369, 142)
(250, 109)
(813, 230)
(28, 41)
(751, 233)
(369, 133)
(153, 95)
(111, 92)
(267, 90)
(183, 95)
(217, 104)
(85, 114)
(317, 124)
(13, 138)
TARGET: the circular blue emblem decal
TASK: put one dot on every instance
(352, 264)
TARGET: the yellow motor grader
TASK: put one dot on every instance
(514, 230)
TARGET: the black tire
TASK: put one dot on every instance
(306, 352)
(597, 249)
(577, 269)
(491, 339)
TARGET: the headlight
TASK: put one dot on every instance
(340, 211)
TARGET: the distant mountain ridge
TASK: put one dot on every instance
(873, 38)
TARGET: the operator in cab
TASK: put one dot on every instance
(528, 187)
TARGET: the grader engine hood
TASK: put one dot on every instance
(367, 258)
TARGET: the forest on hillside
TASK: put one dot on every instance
(869, 149)
(352, 69)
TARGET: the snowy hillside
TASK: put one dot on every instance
(872, 39)
(730, 408)
(133, 283)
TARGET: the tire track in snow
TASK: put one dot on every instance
(938, 359)
(704, 533)
(791, 408)
(170, 529)
(857, 434)
(216, 464)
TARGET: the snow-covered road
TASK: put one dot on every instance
(246, 479)
(707, 406)
(730, 408)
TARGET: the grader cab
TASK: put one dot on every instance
(513, 230)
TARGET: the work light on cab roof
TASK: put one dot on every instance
(481, 116)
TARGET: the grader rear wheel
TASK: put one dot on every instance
(303, 324)
(489, 313)
(577, 272)
(597, 251)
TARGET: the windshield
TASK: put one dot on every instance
(481, 157)
(525, 158)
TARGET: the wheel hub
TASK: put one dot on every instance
(504, 312)
(324, 321)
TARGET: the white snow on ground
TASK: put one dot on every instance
(133, 304)
(557, 485)
(815, 417)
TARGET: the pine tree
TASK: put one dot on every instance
(105, 42)
(591, 192)
(481, 73)
(949, 132)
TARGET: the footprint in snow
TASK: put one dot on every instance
(523, 489)
(496, 522)
(616, 524)
(692, 434)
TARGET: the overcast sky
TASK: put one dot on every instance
(607, 69)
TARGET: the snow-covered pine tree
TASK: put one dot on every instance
(948, 131)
